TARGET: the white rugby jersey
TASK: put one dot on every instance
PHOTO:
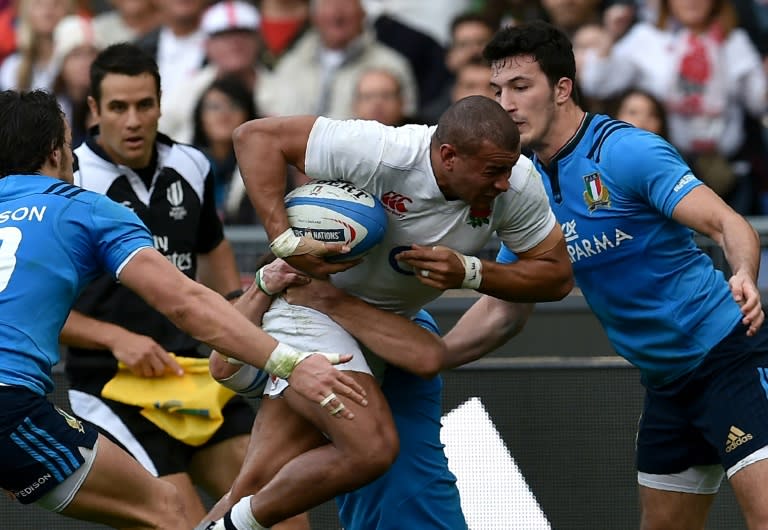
(393, 163)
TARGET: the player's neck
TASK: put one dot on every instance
(565, 125)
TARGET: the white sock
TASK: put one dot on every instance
(242, 516)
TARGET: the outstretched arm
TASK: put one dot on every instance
(485, 326)
(208, 317)
(392, 337)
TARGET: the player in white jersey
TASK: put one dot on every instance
(447, 190)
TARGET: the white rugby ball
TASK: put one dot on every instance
(336, 211)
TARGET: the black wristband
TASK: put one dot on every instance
(237, 293)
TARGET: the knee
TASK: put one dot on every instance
(248, 482)
(169, 506)
(374, 456)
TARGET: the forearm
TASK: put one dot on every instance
(485, 326)
(527, 280)
(211, 319)
(253, 304)
(82, 331)
(741, 246)
(392, 337)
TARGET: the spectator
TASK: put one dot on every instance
(379, 96)
(318, 75)
(226, 104)
(643, 110)
(283, 22)
(74, 49)
(7, 30)
(128, 21)
(708, 74)
(469, 34)
(178, 45)
(232, 47)
(31, 66)
(424, 53)
(570, 15)
(473, 78)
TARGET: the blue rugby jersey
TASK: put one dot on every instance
(663, 304)
(54, 239)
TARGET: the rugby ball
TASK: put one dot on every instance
(335, 211)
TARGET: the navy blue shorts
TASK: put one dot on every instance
(717, 414)
(418, 491)
(38, 444)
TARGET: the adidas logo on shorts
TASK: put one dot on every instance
(736, 437)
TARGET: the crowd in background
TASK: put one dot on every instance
(693, 71)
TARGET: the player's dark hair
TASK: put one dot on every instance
(32, 126)
(473, 120)
(122, 58)
(548, 45)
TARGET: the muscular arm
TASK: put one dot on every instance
(264, 148)
(218, 269)
(705, 212)
(485, 326)
(208, 317)
(541, 274)
(392, 337)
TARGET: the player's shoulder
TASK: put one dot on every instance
(609, 138)
(186, 159)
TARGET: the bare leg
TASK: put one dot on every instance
(193, 505)
(361, 450)
(119, 492)
(270, 447)
(672, 510)
(750, 485)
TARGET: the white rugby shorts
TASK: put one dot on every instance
(308, 330)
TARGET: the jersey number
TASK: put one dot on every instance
(10, 237)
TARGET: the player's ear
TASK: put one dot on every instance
(447, 155)
(563, 90)
(93, 106)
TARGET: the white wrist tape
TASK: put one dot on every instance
(260, 283)
(473, 271)
(284, 359)
(285, 244)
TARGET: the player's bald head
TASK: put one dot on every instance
(474, 120)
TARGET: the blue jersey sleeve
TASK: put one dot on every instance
(105, 237)
(505, 255)
(651, 168)
(117, 232)
(426, 321)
